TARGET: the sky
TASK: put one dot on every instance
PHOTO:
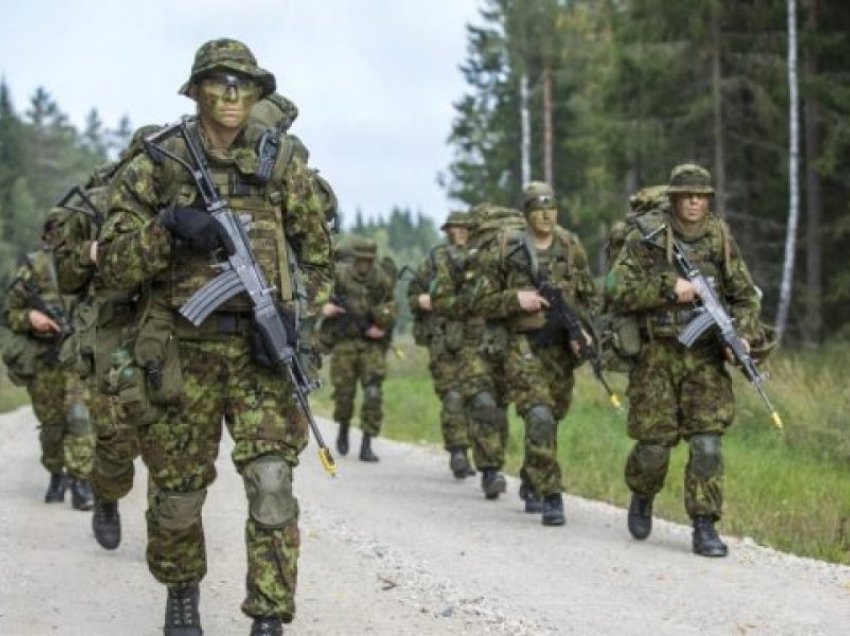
(374, 80)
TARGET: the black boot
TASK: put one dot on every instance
(706, 541)
(181, 612)
(342, 439)
(640, 516)
(266, 626)
(56, 488)
(493, 483)
(459, 463)
(81, 494)
(553, 510)
(366, 454)
(533, 503)
(106, 523)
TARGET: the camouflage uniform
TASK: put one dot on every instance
(58, 396)
(367, 297)
(210, 374)
(539, 374)
(677, 393)
(448, 335)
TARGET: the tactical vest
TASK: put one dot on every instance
(360, 297)
(554, 264)
(255, 198)
(709, 254)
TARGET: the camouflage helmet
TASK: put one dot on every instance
(457, 218)
(230, 55)
(362, 247)
(689, 178)
(537, 195)
(275, 111)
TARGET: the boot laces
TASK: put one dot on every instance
(182, 606)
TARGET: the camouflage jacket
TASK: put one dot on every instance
(642, 279)
(367, 301)
(136, 248)
(505, 267)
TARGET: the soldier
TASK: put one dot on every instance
(539, 371)
(195, 378)
(38, 316)
(100, 322)
(447, 335)
(359, 320)
(678, 393)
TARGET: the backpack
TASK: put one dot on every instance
(619, 335)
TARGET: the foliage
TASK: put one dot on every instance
(641, 85)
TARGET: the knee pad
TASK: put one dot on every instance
(177, 510)
(268, 485)
(651, 457)
(453, 402)
(485, 410)
(705, 454)
(372, 392)
(79, 419)
(542, 427)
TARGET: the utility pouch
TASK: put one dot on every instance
(19, 356)
(454, 336)
(157, 354)
(126, 385)
(421, 331)
(494, 341)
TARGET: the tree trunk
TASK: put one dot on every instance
(813, 333)
(717, 107)
(793, 175)
(525, 128)
(548, 132)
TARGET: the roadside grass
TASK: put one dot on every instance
(790, 490)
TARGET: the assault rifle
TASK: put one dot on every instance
(710, 313)
(563, 318)
(242, 273)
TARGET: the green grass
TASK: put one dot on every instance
(790, 491)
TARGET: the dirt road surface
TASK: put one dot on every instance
(402, 548)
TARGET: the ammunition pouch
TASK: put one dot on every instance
(620, 340)
(421, 329)
(494, 340)
(453, 336)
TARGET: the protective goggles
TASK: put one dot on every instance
(219, 83)
(542, 202)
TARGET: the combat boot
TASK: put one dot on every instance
(533, 503)
(706, 541)
(342, 439)
(366, 454)
(106, 523)
(553, 510)
(459, 463)
(181, 612)
(640, 516)
(81, 494)
(493, 483)
(56, 488)
(266, 626)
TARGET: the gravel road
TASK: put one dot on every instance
(402, 548)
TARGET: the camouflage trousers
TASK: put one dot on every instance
(483, 374)
(675, 393)
(222, 385)
(116, 439)
(66, 440)
(359, 360)
(540, 383)
(449, 372)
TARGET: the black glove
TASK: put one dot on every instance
(197, 228)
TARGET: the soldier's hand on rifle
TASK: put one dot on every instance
(42, 323)
(577, 347)
(685, 290)
(730, 357)
(329, 310)
(530, 300)
(197, 228)
(375, 333)
(424, 301)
